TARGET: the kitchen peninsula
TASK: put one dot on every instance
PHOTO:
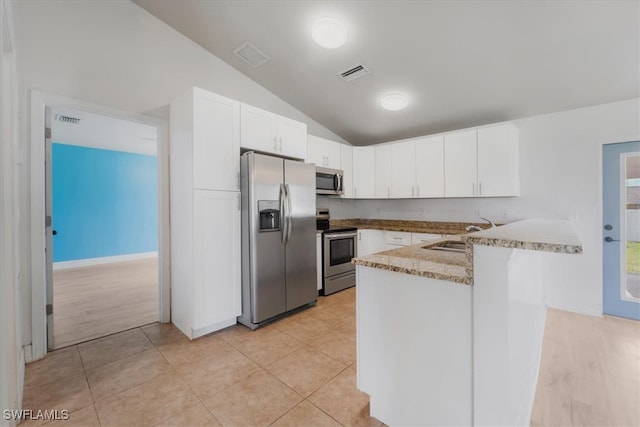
(454, 338)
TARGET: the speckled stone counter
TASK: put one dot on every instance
(531, 234)
(434, 227)
(539, 235)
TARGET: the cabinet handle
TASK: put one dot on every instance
(388, 192)
(473, 188)
(275, 143)
(480, 188)
(355, 192)
(413, 191)
(238, 206)
(360, 235)
(238, 179)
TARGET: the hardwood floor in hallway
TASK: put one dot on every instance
(95, 301)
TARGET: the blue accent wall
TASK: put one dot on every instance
(105, 202)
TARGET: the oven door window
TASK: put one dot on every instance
(341, 251)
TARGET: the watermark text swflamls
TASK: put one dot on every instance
(40, 414)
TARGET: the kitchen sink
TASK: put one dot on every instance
(449, 246)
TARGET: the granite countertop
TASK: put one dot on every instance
(433, 227)
(539, 235)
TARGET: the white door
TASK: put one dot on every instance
(460, 164)
(292, 138)
(216, 253)
(498, 161)
(429, 162)
(383, 155)
(258, 129)
(216, 139)
(403, 168)
(48, 228)
(363, 172)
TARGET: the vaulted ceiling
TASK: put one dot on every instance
(462, 63)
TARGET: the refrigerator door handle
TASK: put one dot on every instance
(283, 216)
(289, 209)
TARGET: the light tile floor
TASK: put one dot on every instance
(298, 371)
(301, 371)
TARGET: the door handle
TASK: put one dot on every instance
(608, 227)
(54, 232)
(610, 239)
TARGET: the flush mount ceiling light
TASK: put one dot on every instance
(329, 33)
(394, 102)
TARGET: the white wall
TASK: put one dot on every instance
(11, 354)
(560, 177)
(114, 53)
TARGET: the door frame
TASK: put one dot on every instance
(40, 100)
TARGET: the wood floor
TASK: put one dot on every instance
(589, 372)
(91, 302)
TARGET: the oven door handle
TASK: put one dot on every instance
(340, 236)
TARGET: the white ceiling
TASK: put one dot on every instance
(97, 131)
(463, 63)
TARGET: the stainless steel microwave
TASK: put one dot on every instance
(328, 181)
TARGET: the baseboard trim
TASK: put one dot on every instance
(62, 265)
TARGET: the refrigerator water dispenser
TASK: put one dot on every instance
(269, 215)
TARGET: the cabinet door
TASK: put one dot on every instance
(316, 150)
(403, 170)
(292, 138)
(346, 164)
(383, 155)
(216, 142)
(460, 164)
(424, 238)
(258, 129)
(363, 172)
(430, 167)
(498, 161)
(216, 257)
(333, 155)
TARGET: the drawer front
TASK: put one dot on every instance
(424, 238)
(398, 238)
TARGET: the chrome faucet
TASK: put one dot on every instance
(476, 228)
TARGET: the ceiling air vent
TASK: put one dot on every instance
(67, 119)
(354, 73)
(251, 55)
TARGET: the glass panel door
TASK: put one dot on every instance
(621, 229)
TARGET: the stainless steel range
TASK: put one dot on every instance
(339, 246)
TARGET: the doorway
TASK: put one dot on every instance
(42, 320)
(621, 229)
(102, 198)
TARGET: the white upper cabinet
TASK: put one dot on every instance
(206, 133)
(267, 132)
(346, 155)
(324, 152)
(429, 167)
(498, 161)
(383, 172)
(482, 162)
(460, 164)
(403, 170)
(292, 137)
(364, 173)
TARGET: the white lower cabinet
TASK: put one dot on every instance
(424, 238)
(205, 261)
(371, 241)
(319, 261)
(397, 239)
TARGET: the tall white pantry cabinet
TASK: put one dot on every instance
(205, 212)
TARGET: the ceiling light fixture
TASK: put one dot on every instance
(329, 33)
(394, 102)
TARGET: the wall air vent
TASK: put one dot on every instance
(67, 119)
(354, 73)
(251, 55)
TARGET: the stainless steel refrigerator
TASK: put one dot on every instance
(278, 237)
